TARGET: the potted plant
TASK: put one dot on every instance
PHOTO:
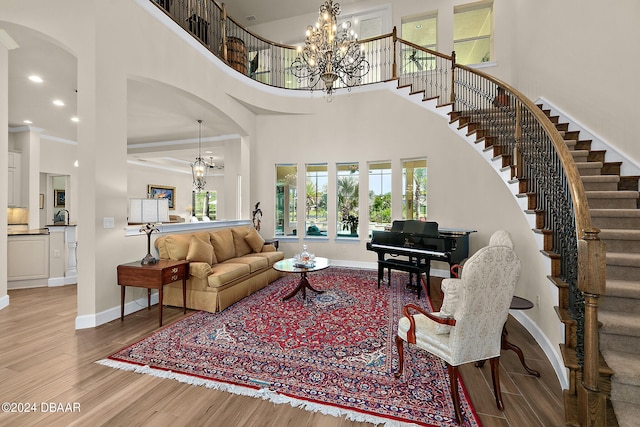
(350, 222)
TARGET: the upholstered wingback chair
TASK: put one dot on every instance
(475, 307)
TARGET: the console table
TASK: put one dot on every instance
(153, 276)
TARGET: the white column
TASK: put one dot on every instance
(6, 43)
(71, 274)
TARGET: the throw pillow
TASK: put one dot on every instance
(223, 247)
(452, 289)
(254, 240)
(177, 245)
(242, 247)
(200, 251)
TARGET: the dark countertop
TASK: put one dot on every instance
(72, 224)
(33, 232)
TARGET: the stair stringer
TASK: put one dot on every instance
(549, 348)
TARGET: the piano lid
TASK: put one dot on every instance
(414, 226)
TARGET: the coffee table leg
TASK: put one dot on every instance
(296, 290)
(303, 285)
(308, 286)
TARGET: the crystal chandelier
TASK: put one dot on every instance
(330, 53)
(199, 168)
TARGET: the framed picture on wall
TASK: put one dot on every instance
(59, 199)
(162, 192)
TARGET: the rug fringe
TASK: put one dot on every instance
(263, 393)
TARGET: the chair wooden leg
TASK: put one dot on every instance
(400, 346)
(495, 376)
(453, 382)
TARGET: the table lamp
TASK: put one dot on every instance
(149, 211)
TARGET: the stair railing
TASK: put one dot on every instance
(528, 141)
(508, 121)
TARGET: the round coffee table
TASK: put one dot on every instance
(289, 266)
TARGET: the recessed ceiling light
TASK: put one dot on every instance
(75, 119)
(35, 79)
(418, 26)
(251, 18)
(58, 102)
(27, 122)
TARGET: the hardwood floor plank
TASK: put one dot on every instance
(44, 359)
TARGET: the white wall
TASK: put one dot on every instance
(584, 64)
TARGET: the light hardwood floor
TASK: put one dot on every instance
(44, 359)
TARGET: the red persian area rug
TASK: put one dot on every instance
(334, 353)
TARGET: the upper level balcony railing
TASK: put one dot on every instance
(517, 129)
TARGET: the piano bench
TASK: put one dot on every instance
(410, 267)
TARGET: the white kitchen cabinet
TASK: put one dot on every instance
(13, 181)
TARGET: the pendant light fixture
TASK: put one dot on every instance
(199, 168)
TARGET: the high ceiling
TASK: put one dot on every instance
(269, 11)
(160, 121)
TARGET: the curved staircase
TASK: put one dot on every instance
(613, 203)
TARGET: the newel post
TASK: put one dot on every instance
(394, 69)
(592, 402)
(453, 78)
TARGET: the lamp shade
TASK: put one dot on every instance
(148, 210)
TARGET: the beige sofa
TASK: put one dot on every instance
(225, 266)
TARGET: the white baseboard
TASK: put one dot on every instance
(62, 281)
(93, 320)
(549, 349)
(4, 302)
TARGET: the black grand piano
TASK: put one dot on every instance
(410, 246)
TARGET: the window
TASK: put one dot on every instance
(414, 182)
(379, 196)
(348, 189)
(286, 200)
(423, 31)
(316, 200)
(205, 204)
(472, 28)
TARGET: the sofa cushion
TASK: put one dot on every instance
(225, 272)
(255, 263)
(254, 240)
(271, 256)
(222, 241)
(200, 251)
(177, 245)
(242, 247)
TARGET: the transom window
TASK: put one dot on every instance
(472, 29)
(423, 31)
